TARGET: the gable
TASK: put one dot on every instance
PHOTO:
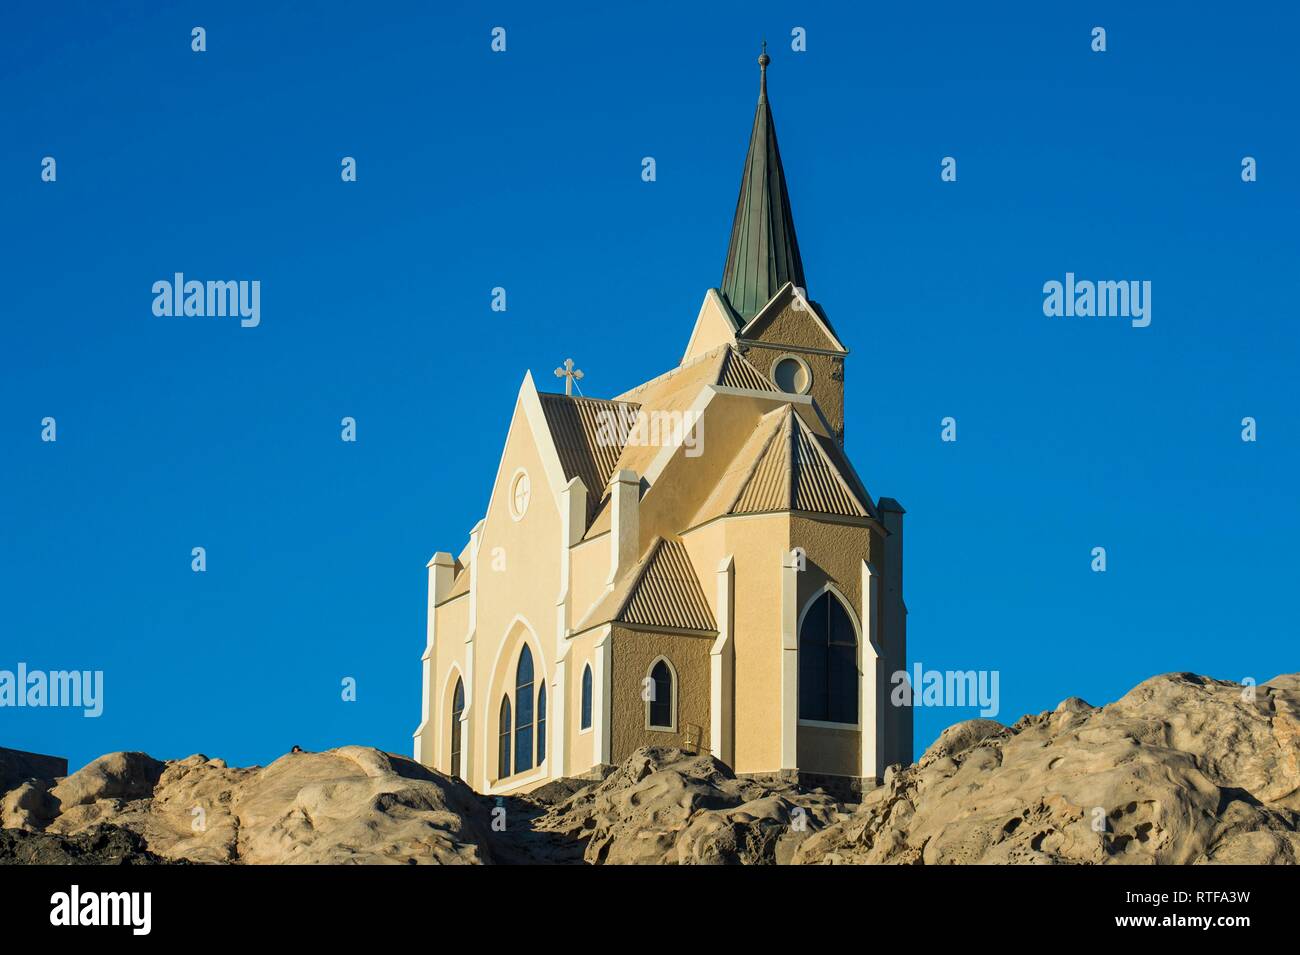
(791, 320)
(738, 372)
(528, 447)
(662, 591)
(786, 466)
(714, 326)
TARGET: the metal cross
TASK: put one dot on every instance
(569, 374)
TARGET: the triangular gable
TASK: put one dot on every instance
(738, 372)
(791, 319)
(737, 476)
(529, 407)
(715, 325)
(795, 472)
(661, 591)
(668, 592)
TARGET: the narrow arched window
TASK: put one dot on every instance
(585, 709)
(524, 711)
(457, 708)
(503, 753)
(662, 706)
(541, 722)
(828, 663)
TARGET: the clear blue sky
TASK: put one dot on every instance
(523, 170)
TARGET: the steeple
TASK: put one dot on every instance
(763, 254)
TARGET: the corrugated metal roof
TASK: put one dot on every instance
(587, 439)
(795, 473)
(674, 391)
(737, 372)
(763, 253)
(668, 592)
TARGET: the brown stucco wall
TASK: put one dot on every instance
(835, 752)
(634, 651)
(826, 390)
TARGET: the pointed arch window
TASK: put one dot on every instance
(503, 752)
(828, 663)
(584, 722)
(457, 709)
(523, 719)
(541, 722)
(661, 707)
(524, 711)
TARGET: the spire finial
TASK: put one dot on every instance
(763, 254)
(763, 60)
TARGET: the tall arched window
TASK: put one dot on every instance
(457, 708)
(584, 722)
(503, 753)
(541, 722)
(828, 663)
(661, 708)
(524, 711)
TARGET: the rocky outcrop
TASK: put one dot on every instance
(1181, 770)
(666, 806)
(349, 805)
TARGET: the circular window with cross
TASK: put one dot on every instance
(520, 491)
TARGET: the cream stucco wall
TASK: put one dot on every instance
(508, 607)
(590, 560)
(582, 653)
(449, 654)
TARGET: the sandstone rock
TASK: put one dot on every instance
(115, 776)
(666, 806)
(1182, 769)
(29, 807)
(349, 805)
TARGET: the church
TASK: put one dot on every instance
(694, 563)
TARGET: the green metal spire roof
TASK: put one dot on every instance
(764, 253)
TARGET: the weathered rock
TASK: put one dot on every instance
(349, 805)
(29, 806)
(666, 806)
(101, 845)
(115, 776)
(1182, 769)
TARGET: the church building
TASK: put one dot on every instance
(693, 563)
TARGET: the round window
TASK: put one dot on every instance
(520, 491)
(792, 375)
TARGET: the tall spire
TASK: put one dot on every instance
(763, 254)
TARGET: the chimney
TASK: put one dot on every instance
(625, 524)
